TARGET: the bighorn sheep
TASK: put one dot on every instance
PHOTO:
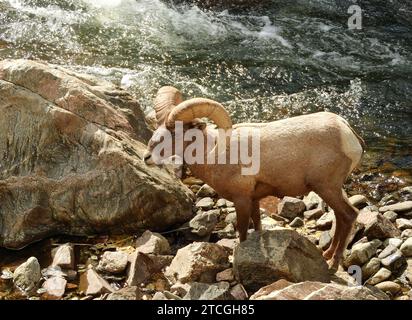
(314, 152)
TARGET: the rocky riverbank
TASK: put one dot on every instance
(72, 174)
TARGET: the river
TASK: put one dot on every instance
(288, 58)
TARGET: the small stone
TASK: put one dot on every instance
(92, 284)
(376, 225)
(27, 275)
(361, 253)
(358, 201)
(64, 257)
(406, 234)
(325, 221)
(394, 242)
(113, 262)
(151, 242)
(406, 248)
(391, 215)
(324, 240)
(394, 262)
(379, 276)
(297, 222)
(370, 268)
(55, 286)
(204, 222)
(160, 261)
(204, 291)
(193, 181)
(181, 289)
(221, 203)
(239, 292)
(229, 244)
(165, 295)
(205, 203)
(229, 204)
(140, 268)
(228, 232)
(225, 275)
(291, 207)
(312, 201)
(127, 293)
(206, 191)
(403, 224)
(387, 251)
(269, 223)
(389, 286)
(313, 214)
(398, 207)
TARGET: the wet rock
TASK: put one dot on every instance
(269, 255)
(358, 201)
(406, 248)
(199, 261)
(313, 214)
(376, 225)
(290, 207)
(312, 290)
(55, 286)
(151, 242)
(27, 275)
(206, 191)
(204, 222)
(225, 275)
(204, 291)
(140, 268)
(391, 215)
(325, 221)
(389, 287)
(394, 262)
(382, 275)
(127, 293)
(403, 224)
(361, 253)
(370, 268)
(398, 207)
(312, 201)
(324, 240)
(387, 251)
(93, 284)
(238, 292)
(80, 141)
(64, 257)
(297, 222)
(205, 203)
(113, 262)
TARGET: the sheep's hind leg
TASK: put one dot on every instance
(243, 211)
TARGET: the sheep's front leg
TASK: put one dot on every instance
(244, 209)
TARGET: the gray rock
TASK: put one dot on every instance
(199, 261)
(361, 253)
(397, 207)
(358, 201)
(370, 268)
(312, 201)
(113, 262)
(389, 287)
(55, 286)
(324, 240)
(291, 207)
(406, 248)
(221, 203)
(228, 244)
(74, 165)
(391, 215)
(152, 242)
(376, 225)
(269, 223)
(206, 191)
(127, 293)
(228, 232)
(140, 268)
(382, 275)
(27, 275)
(297, 222)
(269, 255)
(64, 257)
(93, 284)
(204, 291)
(325, 221)
(403, 224)
(387, 251)
(204, 222)
(313, 214)
(394, 262)
(205, 203)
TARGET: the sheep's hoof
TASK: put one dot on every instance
(333, 265)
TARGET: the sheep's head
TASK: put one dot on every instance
(175, 117)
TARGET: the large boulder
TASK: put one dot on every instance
(71, 159)
(274, 254)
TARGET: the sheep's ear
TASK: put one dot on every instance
(198, 124)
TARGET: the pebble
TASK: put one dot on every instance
(379, 276)
(313, 214)
(387, 251)
(27, 275)
(239, 292)
(394, 242)
(291, 207)
(325, 221)
(312, 201)
(297, 222)
(403, 224)
(205, 203)
(389, 286)
(93, 284)
(221, 203)
(395, 262)
(370, 268)
(391, 215)
(113, 262)
(406, 248)
(225, 275)
(206, 191)
(231, 218)
(358, 201)
(397, 207)
(361, 253)
(325, 240)
(64, 257)
(152, 242)
(204, 222)
(55, 286)
(269, 223)
(406, 234)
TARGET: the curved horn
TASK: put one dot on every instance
(200, 108)
(166, 99)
